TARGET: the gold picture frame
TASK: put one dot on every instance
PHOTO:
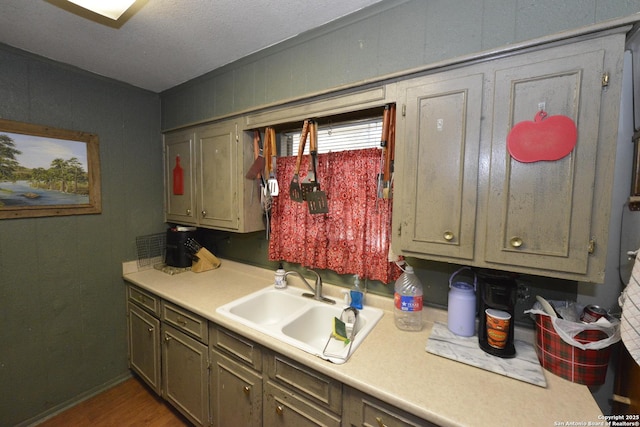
(46, 171)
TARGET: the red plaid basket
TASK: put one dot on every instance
(587, 367)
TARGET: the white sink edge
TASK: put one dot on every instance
(274, 330)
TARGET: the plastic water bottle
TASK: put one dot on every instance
(408, 301)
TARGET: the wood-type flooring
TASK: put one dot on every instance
(128, 404)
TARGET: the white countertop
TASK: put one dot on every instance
(390, 364)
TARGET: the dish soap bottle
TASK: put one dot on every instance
(280, 281)
(407, 301)
(357, 296)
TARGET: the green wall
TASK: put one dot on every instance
(62, 301)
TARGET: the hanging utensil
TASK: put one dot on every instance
(383, 144)
(258, 163)
(295, 192)
(266, 193)
(257, 152)
(274, 189)
(316, 199)
(310, 184)
(390, 156)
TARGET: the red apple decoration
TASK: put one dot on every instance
(545, 138)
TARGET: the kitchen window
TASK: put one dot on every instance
(332, 137)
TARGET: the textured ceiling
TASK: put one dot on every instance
(158, 44)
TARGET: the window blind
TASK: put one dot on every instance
(336, 137)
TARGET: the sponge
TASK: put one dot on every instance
(339, 330)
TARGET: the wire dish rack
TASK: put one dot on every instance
(339, 349)
(151, 250)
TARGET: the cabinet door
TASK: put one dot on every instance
(283, 408)
(439, 194)
(144, 346)
(236, 393)
(184, 375)
(217, 179)
(179, 199)
(364, 410)
(539, 213)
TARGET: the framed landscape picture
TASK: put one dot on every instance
(47, 172)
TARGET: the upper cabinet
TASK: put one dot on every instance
(205, 181)
(179, 177)
(540, 213)
(440, 173)
(460, 195)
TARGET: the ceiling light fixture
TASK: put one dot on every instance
(112, 9)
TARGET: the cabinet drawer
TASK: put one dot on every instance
(144, 299)
(285, 408)
(237, 346)
(186, 321)
(311, 384)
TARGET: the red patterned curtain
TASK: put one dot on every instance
(354, 237)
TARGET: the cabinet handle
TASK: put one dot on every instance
(380, 422)
(247, 390)
(181, 320)
(279, 410)
(141, 298)
(167, 338)
(516, 242)
(448, 236)
(204, 213)
(150, 329)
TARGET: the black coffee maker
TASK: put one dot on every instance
(176, 254)
(498, 291)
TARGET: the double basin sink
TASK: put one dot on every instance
(305, 323)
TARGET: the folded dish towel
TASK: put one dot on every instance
(630, 321)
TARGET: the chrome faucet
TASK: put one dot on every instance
(315, 293)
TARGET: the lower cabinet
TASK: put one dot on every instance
(216, 377)
(143, 330)
(184, 375)
(295, 395)
(236, 384)
(144, 346)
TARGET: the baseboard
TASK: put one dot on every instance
(52, 412)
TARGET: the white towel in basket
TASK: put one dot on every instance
(630, 321)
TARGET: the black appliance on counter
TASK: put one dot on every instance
(176, 254)
(496, 290)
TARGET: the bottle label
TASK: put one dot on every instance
(407, 303)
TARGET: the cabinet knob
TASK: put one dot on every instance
(516, 242)
(204, 213)
(167, 338)
(150, 329)
(181, 320)
(247, 390)
(189, 212)
(279, 410)
(380, 422)
(448, 236)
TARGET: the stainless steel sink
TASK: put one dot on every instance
(302, 322)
